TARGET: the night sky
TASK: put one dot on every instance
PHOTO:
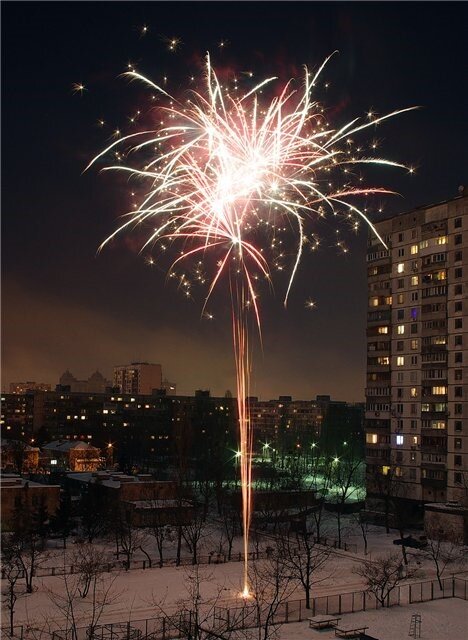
(65, 306)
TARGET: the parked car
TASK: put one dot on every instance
(414, 543)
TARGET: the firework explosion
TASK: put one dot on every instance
(223, 171)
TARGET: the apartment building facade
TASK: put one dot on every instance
(138, 378)
(416, 418)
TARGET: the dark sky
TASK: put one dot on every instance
(64, 306)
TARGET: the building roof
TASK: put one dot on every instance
(14, 481)
(11, 444)
(67, 445)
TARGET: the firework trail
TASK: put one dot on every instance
(219, 165)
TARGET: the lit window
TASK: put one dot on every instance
(439, 391)
(400, 267)
(414, 392)
(371, 438)
(400, 361)
(441, 240)
(415, 440)
(374, 302)
(414, 280)
(382, 330)
(401, 329)
(438, 424)
(414, 345)
(399, 440)
(385, 470)
(414, 249)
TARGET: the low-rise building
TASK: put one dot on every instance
(19, 456)
(16, 493)
(73, 455)
(141, 498)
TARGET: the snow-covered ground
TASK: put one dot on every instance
(440, 620)
(136, 591)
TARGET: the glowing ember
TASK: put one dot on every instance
(224, 171)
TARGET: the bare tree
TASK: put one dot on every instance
(347, 482)
(88, 565)
(364, 527)
(26, 542)
(443, 548)
(383, 575)
(193, 531)
(11, 573)
(303, 558)
(270, 587)
(100, 596)
(197, 616)
(128, 537)
(161, 532)
(230, 526)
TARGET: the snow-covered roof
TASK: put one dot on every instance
(66, 445)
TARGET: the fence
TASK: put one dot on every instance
(249, 616)
(118, 565)
(334, 544)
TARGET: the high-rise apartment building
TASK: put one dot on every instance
(417, 358)
(138, 378)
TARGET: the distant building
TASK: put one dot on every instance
(16, 493)
(145, 500)
(19, 456)
(417, 361)
(342, 426)
(72, 455)
(138, 378)
(170, 388)
(96, 383)
(284, 424)
(23, 387)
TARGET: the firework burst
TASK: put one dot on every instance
(222, 171)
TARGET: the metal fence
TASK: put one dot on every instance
(181, 625)
(119, 565)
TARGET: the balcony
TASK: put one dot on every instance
(434, 483)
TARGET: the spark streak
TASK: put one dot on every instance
(221, 159)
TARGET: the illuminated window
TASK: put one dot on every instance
(414, 344)
(388, 300)
(382, 330)
(371, 438)
(383, 360)
(399, 440)
(401, 298)
(400, 267)
(441, 240)
(414, 280)
(401, 329)
(385, 470)
(438, 424)
(439, 391)
(414, 392)
(424, 244)
(414, 249)
(374, 302)
(400, 361)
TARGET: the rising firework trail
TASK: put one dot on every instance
(224, 170)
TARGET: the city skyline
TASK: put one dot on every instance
(119, 308)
